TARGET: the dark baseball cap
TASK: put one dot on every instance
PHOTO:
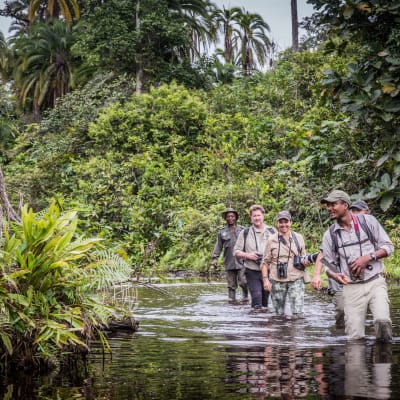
(283, 215)
(359, 205)
(336, 195)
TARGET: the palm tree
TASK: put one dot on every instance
(53, 9)
(43, 70)
(225, 21)
(254, 41)
(196, 16)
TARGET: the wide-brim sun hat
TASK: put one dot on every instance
(230, 210)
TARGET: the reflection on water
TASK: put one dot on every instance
(193, 345)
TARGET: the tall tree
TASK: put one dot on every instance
(196, 17)
(225, 21)
(295, 25)
(139, 60)
(44, 65)
(254, 42)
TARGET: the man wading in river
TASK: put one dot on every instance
(250, 248)
(354, 260)
(335, 289)
(234, 268)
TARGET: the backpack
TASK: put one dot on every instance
(363, 224)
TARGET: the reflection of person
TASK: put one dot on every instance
(280, 275)
(356, 263)
(335, 289)
(366, 378)
(225, 243)
(250, 248)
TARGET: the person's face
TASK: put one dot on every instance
(337, 209)
(284, 225)
(230, 218)
(257, 218)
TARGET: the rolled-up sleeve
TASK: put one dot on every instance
(267, 257)
(327, 249)
(239, 245)
(381, 237)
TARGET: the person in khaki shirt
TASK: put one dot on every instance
(357, 264)
(250, 248)
(335, 289)
(280, 276)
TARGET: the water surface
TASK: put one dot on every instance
(192, 344)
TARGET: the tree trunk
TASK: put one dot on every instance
(5, 203)
(295, 25)
(139, 59)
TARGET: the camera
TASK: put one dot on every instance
(282, 270)
(311, 258)
(259, 259)
(360, 277)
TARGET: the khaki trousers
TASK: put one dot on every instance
(357, 298)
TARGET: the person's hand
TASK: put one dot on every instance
(267, 284)
(359, 264)
(215, 264)
(340, 277)
(305, 262)
(252, 256)
(316, 282)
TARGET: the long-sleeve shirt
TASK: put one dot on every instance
(351, 247)
(225, 243)
(286, 251)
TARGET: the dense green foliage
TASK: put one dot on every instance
(52, 288)
(151, 173)
(369, 89)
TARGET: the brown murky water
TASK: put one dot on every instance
(192, 344)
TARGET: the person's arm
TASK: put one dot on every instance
(384, 246)
(267, 258)
(217, 250)
(316, 281)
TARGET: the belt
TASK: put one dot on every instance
(367, 280)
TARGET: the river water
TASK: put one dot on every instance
(192, 344)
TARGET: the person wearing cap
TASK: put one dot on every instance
(359, 207)
(250, 248)
(280, 276)
(356, 263)
(335, 289)
(226, 239)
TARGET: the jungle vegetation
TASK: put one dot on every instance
(119, 110)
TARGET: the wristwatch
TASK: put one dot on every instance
(373, 256)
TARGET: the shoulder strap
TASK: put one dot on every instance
(335, 243)
(363, 223)
(297, 243)
(245, 234)
(271, 230)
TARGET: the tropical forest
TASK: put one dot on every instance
(128, 126)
